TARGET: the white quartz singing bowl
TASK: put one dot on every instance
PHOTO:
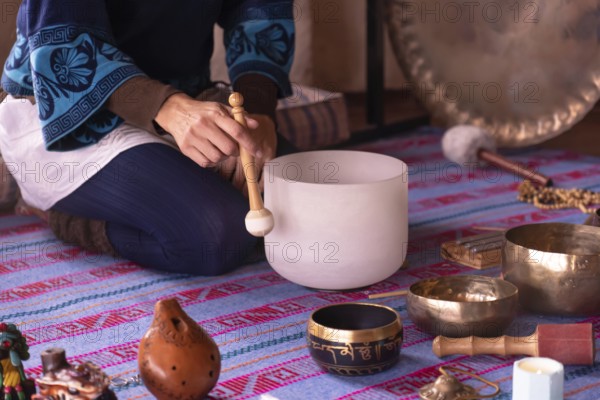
(341, 217)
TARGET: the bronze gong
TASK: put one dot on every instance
(526, 70)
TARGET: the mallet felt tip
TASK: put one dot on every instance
(465, 144)
(259, 221)
(570, 344)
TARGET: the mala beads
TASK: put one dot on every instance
(549, 198)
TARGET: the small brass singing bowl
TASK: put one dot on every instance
(462, 305)
(556, 267)
(355, 338)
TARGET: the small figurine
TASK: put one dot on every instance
(60, 380)
(177, 358)
(13, 350)
(448, 387)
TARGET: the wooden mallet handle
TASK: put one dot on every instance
(570, 344)
(514, 167)
(473, 345)
(259, 221)
(236, 101)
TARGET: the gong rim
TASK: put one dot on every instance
(421, 71)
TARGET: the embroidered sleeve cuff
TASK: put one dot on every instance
(264, 47)
(72, 74)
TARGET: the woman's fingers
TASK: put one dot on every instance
(223, 141)
(198, 157)
(205, 131)
(252, 123)
(206, 156)
(239, 133)
(238, 179)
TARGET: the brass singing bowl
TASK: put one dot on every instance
(462, 305)
(556, 267)
(355, 338)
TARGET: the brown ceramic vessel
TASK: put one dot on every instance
(177, 358)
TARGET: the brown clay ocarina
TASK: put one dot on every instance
(177, 358)
(61, 380)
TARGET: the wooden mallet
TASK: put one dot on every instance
(259, 220)
(466, 144)
(570, 344)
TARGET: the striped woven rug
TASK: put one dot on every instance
(97, 307)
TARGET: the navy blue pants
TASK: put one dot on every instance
(165, 212)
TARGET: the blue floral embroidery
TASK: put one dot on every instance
(71, 74)
(112, 53)
(16, 78)
(264, 46)
(103, 121)
(19, 54)
(274, 42)
(28, 80)
(43, 98)
(238, 44)
(74, 68)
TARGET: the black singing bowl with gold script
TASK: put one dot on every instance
(355, 338)
(462, 305)
(556, 267)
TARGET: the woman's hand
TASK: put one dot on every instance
(265, 135)
(205, 131)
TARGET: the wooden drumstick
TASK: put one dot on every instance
(388, 294)
(259, 220)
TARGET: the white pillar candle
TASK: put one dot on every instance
(538, 378)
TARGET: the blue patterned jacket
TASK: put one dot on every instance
(72, 55)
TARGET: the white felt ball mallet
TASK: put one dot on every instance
(464, 144)
(259, 220)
